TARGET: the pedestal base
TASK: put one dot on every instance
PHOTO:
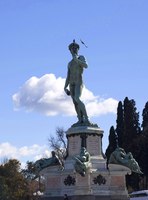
(98, 183)
(88, 197)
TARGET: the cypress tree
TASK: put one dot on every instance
(128, 134)
(112, 143)
(120, 124)
(131, 137)
(144, 144)
(131, 124)
(145, 119)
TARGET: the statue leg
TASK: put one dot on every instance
(77, 109)
(81, 106)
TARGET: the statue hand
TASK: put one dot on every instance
(76, 59)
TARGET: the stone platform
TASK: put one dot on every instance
(99, 183)
(87, 197)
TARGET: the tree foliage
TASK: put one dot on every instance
(144, 143)
(145, 119)
(133, 139)
(13, 184)
(58, 143)
(112, 143)
(131, 124)
(120, 124)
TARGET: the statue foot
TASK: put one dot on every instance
(84, 122)
(77, 124)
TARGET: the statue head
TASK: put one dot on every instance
(82, 151)
(74, 45)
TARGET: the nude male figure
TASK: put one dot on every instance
(75, 82)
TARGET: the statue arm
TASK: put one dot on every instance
(88, 157)
(67, 81)
(81, 60)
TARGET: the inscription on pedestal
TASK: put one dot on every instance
(93, 145)
(117, 180)
(53, 182)
(83, 181)
(74, 145)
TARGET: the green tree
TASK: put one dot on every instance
(13, 182)
(120, 124)
(145, 119)
(3, 188)
(144, 145)
(129, 137)
(30, 172)
(58, 143)
(112, 143)
(131, 125)
(33, 178)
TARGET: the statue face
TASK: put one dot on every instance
(83, 150)
(74, 50)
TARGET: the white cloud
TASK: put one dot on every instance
(7, 150)
(33, 152)
(46, 95)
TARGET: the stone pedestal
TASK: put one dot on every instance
(89, 137)
(99, 183)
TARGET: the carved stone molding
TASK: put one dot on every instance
(69, 180)
(99, 180)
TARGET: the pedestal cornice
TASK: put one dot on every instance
(84, 129)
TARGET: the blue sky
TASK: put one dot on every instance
(35, 35)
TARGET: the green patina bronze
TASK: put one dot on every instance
(82, 161)
(46, 162)
(75, 83)
(120, 157)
